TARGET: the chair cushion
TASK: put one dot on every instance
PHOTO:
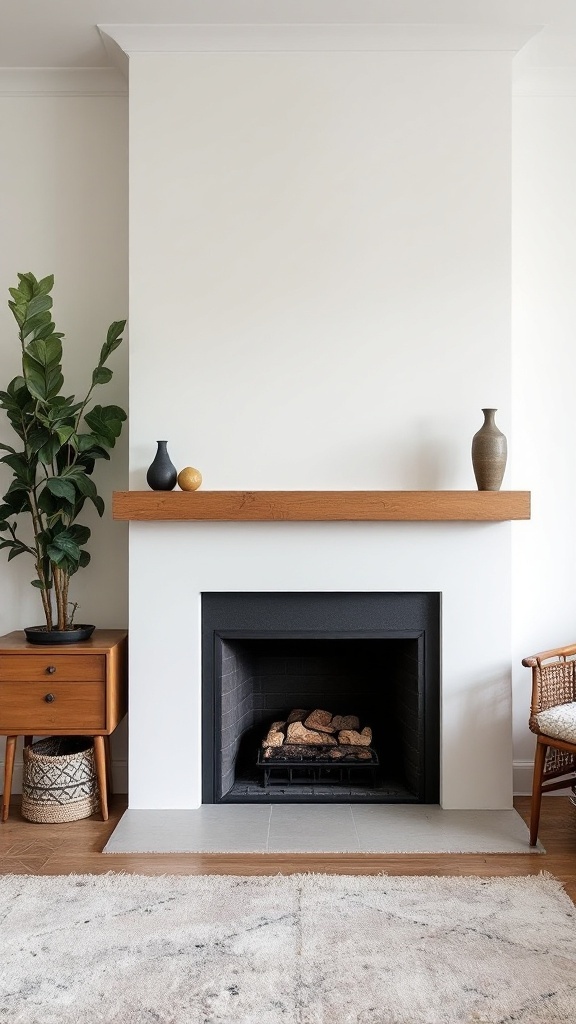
(559, 722)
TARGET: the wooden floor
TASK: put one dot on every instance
(75, 848)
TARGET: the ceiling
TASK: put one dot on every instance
(63, 33)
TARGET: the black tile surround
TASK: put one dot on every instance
(376, 655)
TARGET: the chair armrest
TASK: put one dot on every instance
(559, 652)
(553, 680)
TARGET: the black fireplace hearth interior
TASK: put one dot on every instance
(375, 656)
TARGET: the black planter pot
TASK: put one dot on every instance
(41, 635)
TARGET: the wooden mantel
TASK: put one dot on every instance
(322, 506)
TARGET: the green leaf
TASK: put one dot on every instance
(39, 304)
(64, 434)
(18, 549)
(26, 286)
(35, 381)
(45, 351)
(19, 465)
(7, 448)
(101, 375)
(31, 326)
(42, 370)
(47, 502)
(114, 332)
(38, 584)
(87, 488)
(68, 546)
(85, 485)
(36, 438)
(55, 554)
(86, 441)
(106, 421)
(84, 559)
(62, 488)
(42, 384)
(18, 313)
(113, 340)
(46, 284)
(79, 534)
(47, 331)
(16, 498)
(47, 452)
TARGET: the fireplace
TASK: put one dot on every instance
(349, 362)
(375, 656)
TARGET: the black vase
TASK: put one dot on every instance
(162, 475)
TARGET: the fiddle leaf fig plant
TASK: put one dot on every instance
(59, 441)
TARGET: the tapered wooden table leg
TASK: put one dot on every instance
(108, 765)
(100, 759)
(8, 771)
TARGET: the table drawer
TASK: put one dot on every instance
(78, 706)
(31, 667)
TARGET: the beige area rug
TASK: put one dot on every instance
(299, 949)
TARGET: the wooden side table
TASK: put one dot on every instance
(63, 690)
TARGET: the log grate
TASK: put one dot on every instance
(315, 766)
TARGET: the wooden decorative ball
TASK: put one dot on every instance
(189, 479)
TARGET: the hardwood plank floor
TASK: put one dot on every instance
(75, 848)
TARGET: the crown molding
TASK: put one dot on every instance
(552, 81)
(62, 82)
(314, 38)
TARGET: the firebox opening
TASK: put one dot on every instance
(376, 681)
(377, 690)
(367, 664)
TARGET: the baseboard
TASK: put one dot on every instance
(119, 776)
(523, 771)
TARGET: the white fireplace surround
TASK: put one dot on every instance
(319, 298)
(468, 563)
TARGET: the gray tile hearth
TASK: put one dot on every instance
(320, 828)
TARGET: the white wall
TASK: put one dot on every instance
(544, 371)
(326, 240)
(326, 237)
(63, 182)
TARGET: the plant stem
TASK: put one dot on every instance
(82, 407)
(59, 586)
(65, 596)
(38, 528)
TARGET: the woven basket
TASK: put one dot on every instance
(59, 782)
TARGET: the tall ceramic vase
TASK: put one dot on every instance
(162, 475)
(489, 453)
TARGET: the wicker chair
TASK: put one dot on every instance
(553, 687)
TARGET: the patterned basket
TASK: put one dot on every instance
(59, 781)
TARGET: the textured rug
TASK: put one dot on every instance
(300, 949)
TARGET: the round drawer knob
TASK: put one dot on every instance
(49, 698)
(51, 669)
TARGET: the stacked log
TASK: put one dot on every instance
(318, 735)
